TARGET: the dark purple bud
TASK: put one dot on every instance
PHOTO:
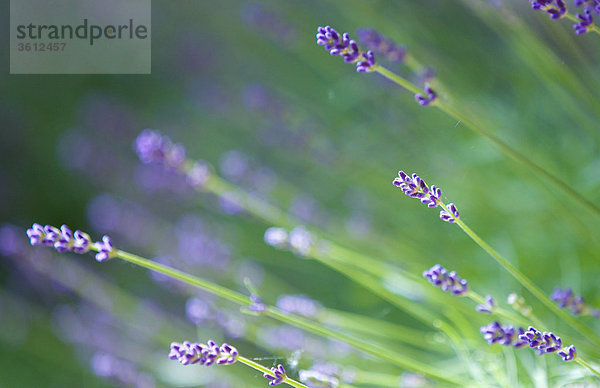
(36, 234)
(277, 375)
(451, 282)
(105, 249)
(568, 354)
(450, 216)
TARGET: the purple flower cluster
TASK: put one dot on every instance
(567, 299)
(299, 239)
(298, 304)
(585, 18)
(503, 335)
(547, 342)
(555, 8)
(345, 47)
(63, 239)
(450, 216)
(486, 307)
(415, 187)
(105, 248)
(381, 45)
(427, 99)
(152, 147)
(447, 281)
(277, 375)
(188, 353)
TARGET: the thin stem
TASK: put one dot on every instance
(262, 369)
(526, 282)
(367, 347)
(504, 147)
(584, 363)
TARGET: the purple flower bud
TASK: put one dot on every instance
(82, 242)
(65, 241)
(51, 235)
(415, 187)
(568, 354)
(105, 249)
(451, 216)
(36, 234)
(440, 277)
(277, 375)
(367, 64)
(428, 99)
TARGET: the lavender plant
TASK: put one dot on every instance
(374, 317)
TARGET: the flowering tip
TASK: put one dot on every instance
(277, 375)
(63, 239)
(447, 281)
(415, 187)
(188, 353)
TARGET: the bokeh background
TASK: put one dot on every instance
(244, 86)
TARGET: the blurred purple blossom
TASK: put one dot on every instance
(298, 304)
(381, 45)
(503, 335)
(270, 24)
(447, 281)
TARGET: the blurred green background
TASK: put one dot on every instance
(244, 86)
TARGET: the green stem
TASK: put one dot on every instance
(585, 364)
(504, 147)
(526, 282)
(367, 347)
(262, 369)
(498, 310)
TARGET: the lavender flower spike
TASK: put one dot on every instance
(450, 216)
(347, 48)
(440, 277)
(105, 249)
(188, 353)
(431, 96)
(277, 375)
(566, 298)
(547, 342)
(415, 187)
(503, 335)
(63, 239)
(555, 8)
(152, 147)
